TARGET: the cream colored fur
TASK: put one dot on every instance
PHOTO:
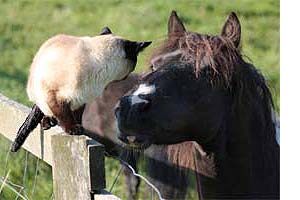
(76, 68)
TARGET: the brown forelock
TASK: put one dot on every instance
(216, 52)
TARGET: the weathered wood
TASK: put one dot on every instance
(96, 164)
(104, 195)
(12, 115)
(73, 178)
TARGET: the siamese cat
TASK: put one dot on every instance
(67, 72)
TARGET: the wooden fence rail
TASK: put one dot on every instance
(77, 161)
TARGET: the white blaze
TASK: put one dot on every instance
(143, 89)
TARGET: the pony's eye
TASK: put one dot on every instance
(153, 68)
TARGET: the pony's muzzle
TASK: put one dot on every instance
(125, 108)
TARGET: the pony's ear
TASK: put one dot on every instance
(175, 25)
(105, 31)
(232, 29)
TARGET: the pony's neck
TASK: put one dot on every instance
(247, 159)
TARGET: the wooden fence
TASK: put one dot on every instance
(77, 161)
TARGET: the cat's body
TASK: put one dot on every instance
(69, 71)
(75, 69)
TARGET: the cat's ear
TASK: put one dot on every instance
(105, 31)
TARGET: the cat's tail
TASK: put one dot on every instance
(31, 122)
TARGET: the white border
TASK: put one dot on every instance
(290, 99)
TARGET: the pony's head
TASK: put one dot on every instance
(196, 81)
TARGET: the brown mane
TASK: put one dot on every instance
(190, 155)
(216, 52)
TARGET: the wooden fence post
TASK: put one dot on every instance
(77, 161)
(78, 167)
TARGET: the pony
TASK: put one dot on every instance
(202, 90)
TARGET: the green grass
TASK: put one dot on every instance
(25, 25)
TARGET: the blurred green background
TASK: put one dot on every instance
(25, 25)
